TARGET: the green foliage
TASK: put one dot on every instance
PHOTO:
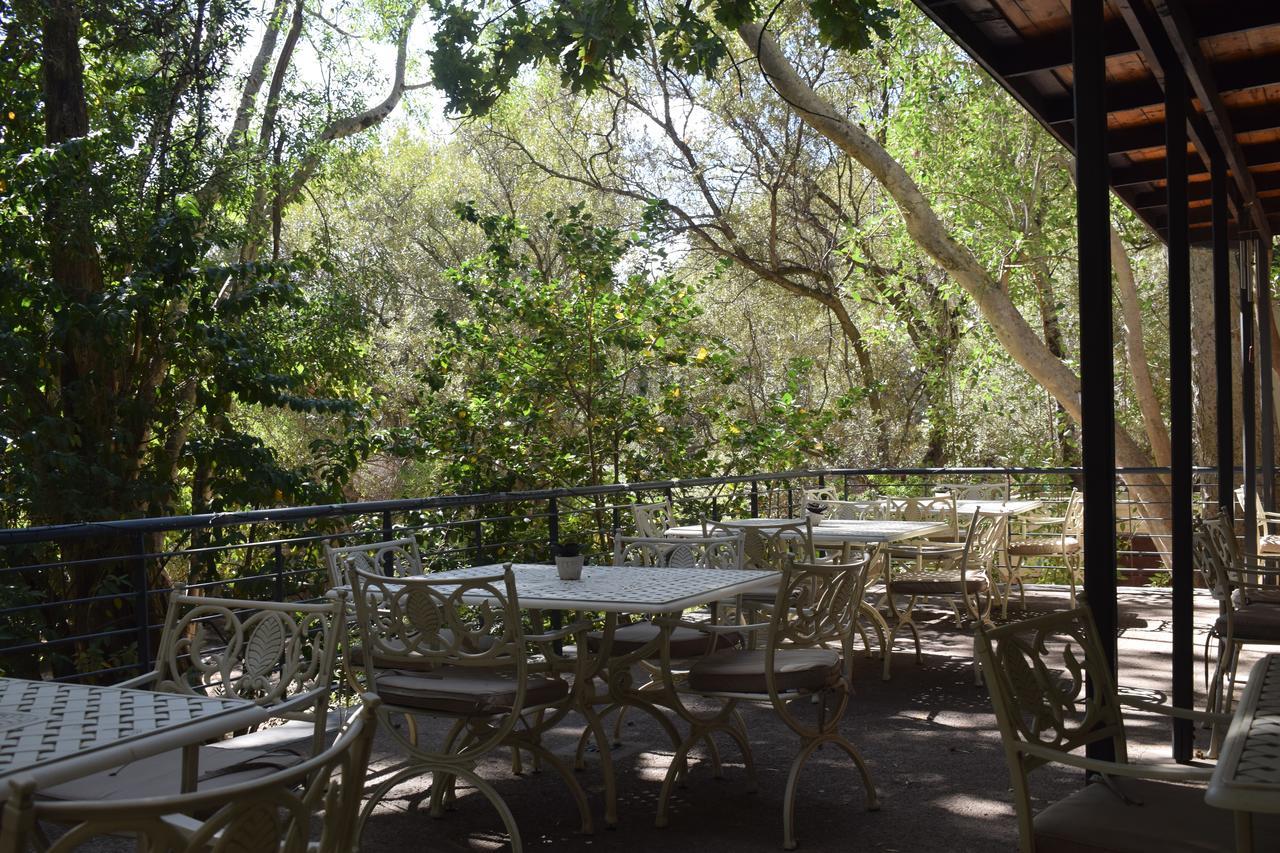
(480, 47)
(585, 366)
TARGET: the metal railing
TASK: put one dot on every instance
(87, 599)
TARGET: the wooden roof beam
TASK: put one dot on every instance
(1186, 47)
(1199, 191)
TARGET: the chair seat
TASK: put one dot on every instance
(466, 692)
(935, 583)
(685, 642)
(1162, 816)
(1259, 621)
(927, 550)
(743, 671)
(1044, 546)
(227, 762)
(1269, 544)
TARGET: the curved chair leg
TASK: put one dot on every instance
(793, 779)
(596, 728)
(882, 634)
(575, 790)
(668, 781)
(500, 805)
(371, 803)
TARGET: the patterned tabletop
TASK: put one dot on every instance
(1247, 777)
(44, 725)
(1002, 507)
(837, 531)
(622, 589)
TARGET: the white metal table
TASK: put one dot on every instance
(621, 589)
(1247, 777)
(841, 531)
(614, 590)
(53, 732)
(969, 507)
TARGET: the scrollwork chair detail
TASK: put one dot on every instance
(396, 557)
(1036, 671)
(815, 607)
(277, 812)
(429, 652)
(653, 520)
(280, 655)
(966, 585)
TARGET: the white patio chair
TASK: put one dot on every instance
(1036, 671)
(965, 585)
(1266, 539)
(1067, 545)
(815, 607)
(653, 520)
(280, 655)
(429, 653)
(310, 807)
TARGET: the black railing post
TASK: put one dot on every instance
(140, 610)
(1222, 333)
(278, 558)
(1266, 393)
(845, 492)
(1179, 271)
(1248, 401)
(388, 567)
(477, 538)
(715, 508)
(755, 499)
(553, 525)
(1097, 368)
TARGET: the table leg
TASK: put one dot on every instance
(190, 767)
(1244, 832)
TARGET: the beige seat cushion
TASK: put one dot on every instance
(1254, 622)
(1269, 544)
(935, 583)
(927, 550)
(1044, 546)
(1170, 819)
(685, 642)
(466, 692)
(743, 670)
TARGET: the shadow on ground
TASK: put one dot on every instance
(928, 736)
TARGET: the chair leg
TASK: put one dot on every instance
(575, 789)
(1233, 661)
(882, 634)
(793, 778)
(596, 727)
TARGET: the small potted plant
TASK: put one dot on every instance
(816, 510)
(569, 561)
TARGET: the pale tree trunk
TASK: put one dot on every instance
(930, 234)
(1204, 375)
(1144, 388)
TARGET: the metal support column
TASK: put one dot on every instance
(1248, 399)
(1175, 128)
(1266, 399)
(1097, 367)
(1222, 335)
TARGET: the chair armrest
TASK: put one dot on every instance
(1156, 772)
(1040, 520)
(559, 634)
(1177, 713)
(300, 701)
(138, 680)
(707, 628)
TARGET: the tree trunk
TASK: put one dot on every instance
(929, 233)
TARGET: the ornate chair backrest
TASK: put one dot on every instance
(653, 520)
(1036, 671)
(986, 535)
(263, 651)
(273, 813)
(707, 552)
(399, 555)
(768, 546)
(424, 622)
(1212, 552)
(974, 492)
(1073, 518)
(860, 510)
(817, 606)
(932, 508)
(822, 494)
